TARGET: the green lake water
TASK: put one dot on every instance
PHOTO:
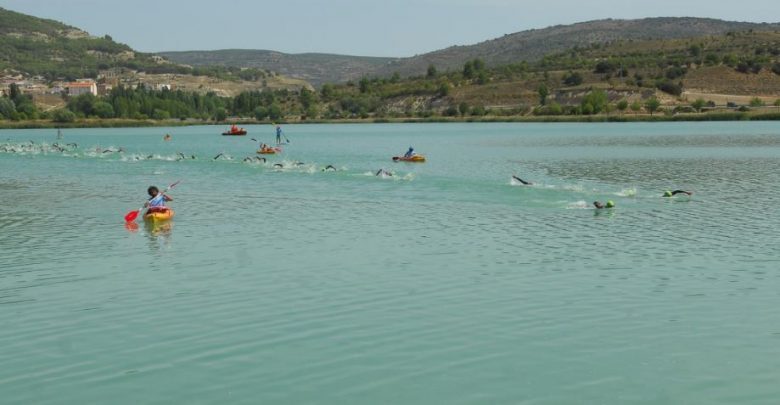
(444, 283)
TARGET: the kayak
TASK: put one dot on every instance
(269, 151)
(235, 133)
(415, 158)
(159, 216)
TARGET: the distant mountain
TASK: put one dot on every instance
(529, 46)
(316, 68)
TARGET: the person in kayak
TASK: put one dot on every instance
(525, 183)
(599, 205)
(409, 153)
(668, 193)
(156, 201)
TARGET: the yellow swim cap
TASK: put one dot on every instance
(667, 193)
(610, 204)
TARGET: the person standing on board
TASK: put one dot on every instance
(278, 135)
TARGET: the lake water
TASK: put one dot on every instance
(444, 283)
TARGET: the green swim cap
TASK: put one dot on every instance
(667, 193)
(610, 204)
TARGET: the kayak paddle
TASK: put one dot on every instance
(132, 215)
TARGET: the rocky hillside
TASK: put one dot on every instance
(52, 51)
(529, 46)
(40, 47)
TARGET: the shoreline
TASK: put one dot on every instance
(129, 123)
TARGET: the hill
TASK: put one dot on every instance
(52, 51)
(528, 46)
(316, 68)
(40, 47)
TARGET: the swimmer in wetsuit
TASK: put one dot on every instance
(525, 183)
(599, 205)
(668, 193)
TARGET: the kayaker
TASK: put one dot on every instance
(599, 205)
(668, 193)
(156, 201)
(526, 183)
(278, 135)
(409, 152)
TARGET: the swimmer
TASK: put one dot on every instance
(599, 205)
(525, 183)
(278, 166)
(218, 156)
(329, 168)
(299, 163)
(383, 172)
(668, 193)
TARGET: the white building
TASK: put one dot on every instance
(79, 88)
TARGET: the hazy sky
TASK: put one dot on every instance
(356, 27)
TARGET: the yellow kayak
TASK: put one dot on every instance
(414, 158)
(159, 216)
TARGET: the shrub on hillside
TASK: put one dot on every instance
(670, 87)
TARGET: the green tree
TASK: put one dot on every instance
(327, 91)
(103, 109)
(463, 107)
(543, 93)
(652, 105)
(572, 79)
(14, 93)
(636, 106)
(432, 72)
(63, 115)
(160, 114)
(7, 107)
(468, 70)
(306, 98)
(587, 108)
(698, 104)
(312, 112)
(444, 90)
(275, 111)
(622, 105)
(482, 77)
(261, 113)
(777, 102)
(756, 102)
(220, 115)
(597, 99)
(364, 85)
